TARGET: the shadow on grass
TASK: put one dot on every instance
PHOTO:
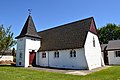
(2, 65)
(58, 68)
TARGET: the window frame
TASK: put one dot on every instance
(93, 42)
(43, 55)
(73, 54)
(20, 55)
(20, 63)
(117, 53)
(56, 54)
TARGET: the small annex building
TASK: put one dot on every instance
(113, 50)
(73, 46)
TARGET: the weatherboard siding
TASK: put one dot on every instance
(42, 61)
(93, 54)
(78, 38)
(31, 44)
(24, 46)
(20, 49)
(112, 59)
(64, 60)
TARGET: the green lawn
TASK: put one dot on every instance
(15, 73)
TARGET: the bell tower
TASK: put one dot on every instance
(28, 43)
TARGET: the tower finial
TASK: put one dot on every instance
(29, 10)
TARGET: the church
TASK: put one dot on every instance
(70, 46)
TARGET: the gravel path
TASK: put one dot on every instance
(73, 72)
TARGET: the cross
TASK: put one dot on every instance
(30, 10)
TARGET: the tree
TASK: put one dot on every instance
(6, 39)
(109, 32)
(13, 52)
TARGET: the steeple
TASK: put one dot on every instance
(29, 29)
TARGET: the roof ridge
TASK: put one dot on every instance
(115, 40)
(67, 24)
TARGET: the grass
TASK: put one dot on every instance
(16, 73)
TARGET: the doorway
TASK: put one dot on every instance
(32, 58)
(105, 56)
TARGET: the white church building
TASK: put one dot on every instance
(72, 46)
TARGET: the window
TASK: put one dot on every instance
(117, 53)
(20, 56)
(33, 39)
(21, 39)
(56, 54)
(19, 63)
(93, 42)
(43, 55)
(72, 53)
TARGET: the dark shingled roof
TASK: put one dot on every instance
(29, 29)
(68, 36)
(113, 45)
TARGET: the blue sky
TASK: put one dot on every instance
(50, 13)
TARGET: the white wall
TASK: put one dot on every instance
(93, 54)
(6, 58)
(20, 49)
(102, 53)
(64, 60)
(88, 58)
(42, 61)
(30, 45)
(112, 59)
(25, 45)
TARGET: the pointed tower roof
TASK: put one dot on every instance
(29, 29)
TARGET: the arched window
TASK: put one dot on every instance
(93, 42)
(56, 54)
(72, 53)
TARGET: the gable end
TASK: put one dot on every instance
(93, 28)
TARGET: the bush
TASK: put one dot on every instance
(14, 59)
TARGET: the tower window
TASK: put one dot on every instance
(21, 39)
(19, 63)
(20, 56)
(93, 42)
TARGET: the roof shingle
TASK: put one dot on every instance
(113, 45)
(29, 29)
(68, 36)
